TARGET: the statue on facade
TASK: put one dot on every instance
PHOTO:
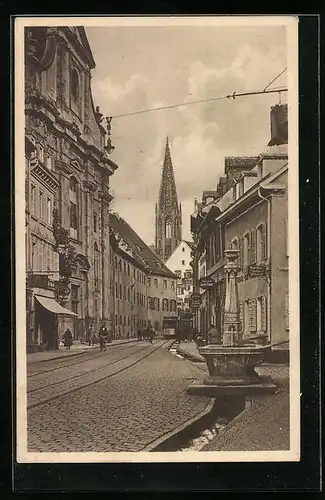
(109, 147)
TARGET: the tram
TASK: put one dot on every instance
(169, 327)
(178, 327)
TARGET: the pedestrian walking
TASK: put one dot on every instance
(139, 334)
(90, 334)
(67, 339)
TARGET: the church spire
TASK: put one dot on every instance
(168, 212)
(167, 192)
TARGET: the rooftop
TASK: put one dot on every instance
(137, 248)
(241, 161)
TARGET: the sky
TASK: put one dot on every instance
(145, 67)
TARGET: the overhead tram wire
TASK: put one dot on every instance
(281, 73)
(234, 95)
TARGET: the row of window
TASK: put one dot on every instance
(41, 205)
(125, 267)
(252, 246)
(125, 293)
(44, 258)
(165, 283)
(167, 305)
(139, 276)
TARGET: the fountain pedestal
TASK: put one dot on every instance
(232, 364)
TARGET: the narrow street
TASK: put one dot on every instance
(121, 399)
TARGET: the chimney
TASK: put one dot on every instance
(279, 125)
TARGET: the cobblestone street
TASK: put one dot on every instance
(118, 400)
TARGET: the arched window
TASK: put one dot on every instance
(168, 229)
(157, 305)
(73, 184)
(96, 265)
(74, 86)
(74, 207)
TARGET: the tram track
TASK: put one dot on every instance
(48, 386)
(43, 401)
(82, 358)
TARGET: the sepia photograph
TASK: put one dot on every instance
(157, 239)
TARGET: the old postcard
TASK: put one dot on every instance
(157, 245)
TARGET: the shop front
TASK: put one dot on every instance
(45, 321)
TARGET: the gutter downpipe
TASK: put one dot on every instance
(269, 324)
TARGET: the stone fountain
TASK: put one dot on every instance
(232, 364)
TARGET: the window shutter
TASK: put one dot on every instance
(249, 243)
(264, 314)
(263, 241)
(286, 311)
(252, 316)
(253, 247)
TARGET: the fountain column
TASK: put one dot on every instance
(231, 331)
(232, 364)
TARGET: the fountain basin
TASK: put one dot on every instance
(232, 371)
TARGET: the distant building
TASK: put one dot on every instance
(142, 288)
(179, 264)
(168, 214)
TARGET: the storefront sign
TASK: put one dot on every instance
(256, 271)
(195, 303)
(207, 282)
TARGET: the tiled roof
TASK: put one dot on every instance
(137, 248)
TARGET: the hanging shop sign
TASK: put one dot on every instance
(195, 302)
(256, 271)
(207, 282)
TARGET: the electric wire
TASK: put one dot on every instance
(234, 95)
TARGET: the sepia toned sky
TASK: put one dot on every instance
(143, 67)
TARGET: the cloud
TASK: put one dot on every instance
(201, 134)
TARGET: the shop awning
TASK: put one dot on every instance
(53, 306)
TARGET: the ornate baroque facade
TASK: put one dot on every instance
(67, 186)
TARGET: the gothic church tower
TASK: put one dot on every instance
(168, 212)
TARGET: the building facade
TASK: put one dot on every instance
(249, 212)
(69, 200)
(143, 289)
(179, 264)
(168, 213)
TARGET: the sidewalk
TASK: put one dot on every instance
(77, 348)
(265, 424)
(190, 351)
